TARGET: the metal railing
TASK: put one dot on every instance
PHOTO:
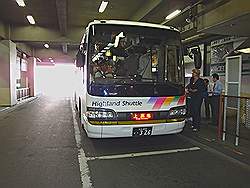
(22, 93)
(234, 118)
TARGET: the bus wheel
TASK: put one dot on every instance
(75, 102)
(80, 110)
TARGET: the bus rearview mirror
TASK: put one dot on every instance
(80, 59)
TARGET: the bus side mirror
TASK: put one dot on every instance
(80, 59)
(80, 56)
(197, 57)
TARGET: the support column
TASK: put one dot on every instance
(8, 54)
(32, 76)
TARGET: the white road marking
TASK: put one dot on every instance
(141, 154)
(84, 169)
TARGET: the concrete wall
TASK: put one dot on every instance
(7, 73)
(4, 74)
(13, 55)
(3, 33)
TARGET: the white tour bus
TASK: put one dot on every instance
(130, 80)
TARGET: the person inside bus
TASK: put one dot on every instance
(144, 67)
(97, 72)
(215, 98)
(109, 72)
(196, 88)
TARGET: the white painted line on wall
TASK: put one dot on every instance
(84, 169)
(141, 154)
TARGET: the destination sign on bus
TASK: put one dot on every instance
(141, 116)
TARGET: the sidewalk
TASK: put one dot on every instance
(208, 136)
(4, 109)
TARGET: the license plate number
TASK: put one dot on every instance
(142, 131)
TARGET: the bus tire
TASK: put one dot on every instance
(75, 101)
(80, 110)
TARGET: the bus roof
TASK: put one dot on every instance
(121, 22)
(133, 23)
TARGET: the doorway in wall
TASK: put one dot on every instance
(56, 80)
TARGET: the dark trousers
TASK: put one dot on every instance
(207, 103)
(188, 107)
(215, 109)
(196, 111)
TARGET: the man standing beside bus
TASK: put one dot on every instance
(215, 98)
(196, 89)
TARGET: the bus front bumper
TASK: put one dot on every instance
(114, 131)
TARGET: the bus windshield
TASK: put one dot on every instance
(128, 60)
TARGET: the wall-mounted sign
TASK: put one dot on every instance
(220, 49)
(24, 65)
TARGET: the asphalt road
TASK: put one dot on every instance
(38, 149)
(198, 168)
(37, 146)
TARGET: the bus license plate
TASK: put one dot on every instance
(142, 131)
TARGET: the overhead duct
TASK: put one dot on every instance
(61, 7)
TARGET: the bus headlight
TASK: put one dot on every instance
(100, 114)
(178, 111)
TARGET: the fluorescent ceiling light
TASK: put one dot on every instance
(38, 59)
(245, 50)
(103, 6)
(50, 58)
(46, 45)
(20, 3)
(173, 14)
(52, 61)
(31, 19)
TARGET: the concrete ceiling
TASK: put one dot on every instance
(62, 22)
(64, 15)
(48, 13)
(236, 26)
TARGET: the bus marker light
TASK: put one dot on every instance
(141, 116)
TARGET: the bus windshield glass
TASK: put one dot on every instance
(126, 60)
